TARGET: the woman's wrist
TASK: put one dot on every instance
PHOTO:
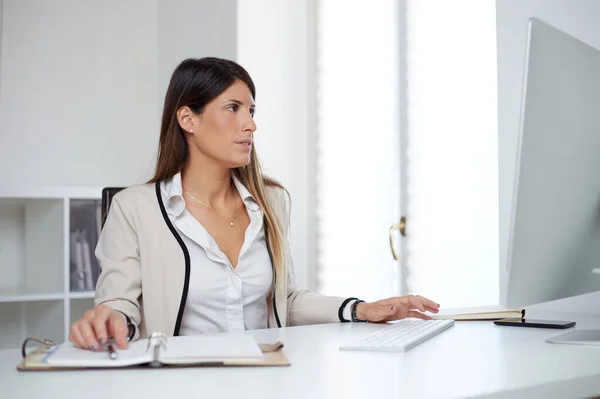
(361, 311)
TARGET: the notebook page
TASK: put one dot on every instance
(200, 349)
(67, 355)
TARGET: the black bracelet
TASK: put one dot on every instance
(341, 310)
(354, 306)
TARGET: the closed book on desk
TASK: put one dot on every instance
(482, 315)
(158, 351)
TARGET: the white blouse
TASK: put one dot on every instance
(221, 298)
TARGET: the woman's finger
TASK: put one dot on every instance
(429, 304)
(76, 338)
(88, 335)
(418, 315)
(99, 326)
(414, 302)
(118, 329)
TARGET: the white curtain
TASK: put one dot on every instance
(407, 125)
(451, 252)
(357, 156)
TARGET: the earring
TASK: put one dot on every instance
(191, 131)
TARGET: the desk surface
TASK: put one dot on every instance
(470, 359)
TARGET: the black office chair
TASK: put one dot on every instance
(107, 195)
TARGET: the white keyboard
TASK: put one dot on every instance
(400, 336)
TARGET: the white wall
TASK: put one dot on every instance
(193, 29)
(82, 84)
(275, 45)
(77, 79)
(579, 18)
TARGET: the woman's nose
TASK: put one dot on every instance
(250, 125)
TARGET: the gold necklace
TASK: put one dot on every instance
(209, 207)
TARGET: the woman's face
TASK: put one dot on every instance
(224, 130)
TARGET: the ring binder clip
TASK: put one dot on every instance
(43, 341)
(156, 340)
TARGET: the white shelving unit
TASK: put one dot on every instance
(36, 297)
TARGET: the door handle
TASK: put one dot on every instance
(402, 228)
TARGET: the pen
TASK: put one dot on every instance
(112, 353)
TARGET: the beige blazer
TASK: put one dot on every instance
(145, 268)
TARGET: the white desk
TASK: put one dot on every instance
(470, 359)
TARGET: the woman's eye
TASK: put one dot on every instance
(233, 107)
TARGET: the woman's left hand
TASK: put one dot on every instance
(396, 308)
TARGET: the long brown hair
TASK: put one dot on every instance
(194, 83)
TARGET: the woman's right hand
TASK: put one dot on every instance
(97, 326)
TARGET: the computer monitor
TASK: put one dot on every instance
(554, 245)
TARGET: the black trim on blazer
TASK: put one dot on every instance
(275, 305)
(186, 255)
(274, 284)
(341, 309)
(130, 327)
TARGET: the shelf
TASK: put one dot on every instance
(82, 295)
(47, 241)
(32, 297)
(52, 192)
(32, 242)
(33, 318)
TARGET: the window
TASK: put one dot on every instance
(432, 157)
(357, 147)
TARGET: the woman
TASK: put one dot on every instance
(203, 246)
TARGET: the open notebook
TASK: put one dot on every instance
(158, 350)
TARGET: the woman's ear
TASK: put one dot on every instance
(186, 119)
